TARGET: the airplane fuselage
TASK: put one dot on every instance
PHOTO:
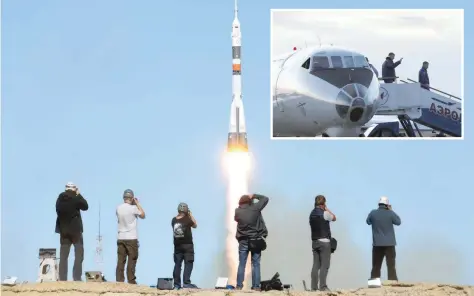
(322, 90)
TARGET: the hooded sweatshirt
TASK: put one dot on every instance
(68, 210)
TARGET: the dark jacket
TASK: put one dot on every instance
(423, 78)
(250, 223)
(388, 70)
(319, 226)
(68, 210)
(382, 221)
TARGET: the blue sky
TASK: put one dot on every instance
(125, 94)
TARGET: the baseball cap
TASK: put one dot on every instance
(128, 193)
(71, 186)
(383, 200)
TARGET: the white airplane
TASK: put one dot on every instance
(323, 91)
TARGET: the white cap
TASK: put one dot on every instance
(71, 186)
(383, 200)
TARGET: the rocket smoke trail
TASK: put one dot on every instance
(238, 167)
(237, 160)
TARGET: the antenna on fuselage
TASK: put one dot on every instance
(319, 41)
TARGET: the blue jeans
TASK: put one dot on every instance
(255, 259)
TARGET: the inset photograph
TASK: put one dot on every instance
(367, 73)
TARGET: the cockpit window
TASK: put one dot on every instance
(319, 62)
(306, 64)
(349, 62)
(337, 62)
(360, 62)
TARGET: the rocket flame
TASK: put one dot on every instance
(237, 166)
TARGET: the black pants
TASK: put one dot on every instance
(378, 254)
(126, 249)
(66, 240)
(321, 263)
(183, 252)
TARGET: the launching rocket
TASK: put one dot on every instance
(237, 140)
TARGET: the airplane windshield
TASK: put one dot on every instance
(319, 62)
(337, 62)
(360, 62)
(349, 62)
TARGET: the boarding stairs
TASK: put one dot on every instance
(432, 108)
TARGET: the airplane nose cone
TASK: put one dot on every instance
(352, 102)
(358, 109)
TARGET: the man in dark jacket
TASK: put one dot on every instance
(251, 234)
(423, 77)
(321, 242)
(69, 205)
(388, 68)
(383, 238)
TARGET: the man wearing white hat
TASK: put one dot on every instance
(383, 238)
(69, 205)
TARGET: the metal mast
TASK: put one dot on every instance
(99, 260)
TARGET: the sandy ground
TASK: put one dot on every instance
(111, 289)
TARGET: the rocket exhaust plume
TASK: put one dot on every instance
(238, 172)
(237, 158)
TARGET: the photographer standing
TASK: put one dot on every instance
(251, 233)
(183, 246)
(127, 237)
(69, 205)
(321, 242)
(383, 238)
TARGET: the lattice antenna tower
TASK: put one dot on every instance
(99, 259)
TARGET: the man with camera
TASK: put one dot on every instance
(321, 243)
(383, 238)
(69, 205)
(127, 237)
(182, 226)
(251, 234)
